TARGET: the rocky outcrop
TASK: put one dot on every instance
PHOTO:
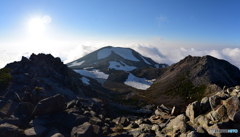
(42, 76)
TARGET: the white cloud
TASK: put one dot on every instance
(68, 51)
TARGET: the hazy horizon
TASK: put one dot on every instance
(165, 31)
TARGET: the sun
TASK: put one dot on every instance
(36, 26)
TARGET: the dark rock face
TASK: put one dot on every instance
(49, 105)
(42, 76)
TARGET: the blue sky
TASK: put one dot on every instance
(201, 25)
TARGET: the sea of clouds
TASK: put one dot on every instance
(157, 53)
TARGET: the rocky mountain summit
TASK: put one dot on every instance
(191, 79)
(43, 72)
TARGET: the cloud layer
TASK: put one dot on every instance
(158, 54)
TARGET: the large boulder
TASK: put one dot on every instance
(50, 105)
(84, 130)
(231, 105)
(205, 105)
(9, 130)
(214, 101)
(193, 110)
(177, 124)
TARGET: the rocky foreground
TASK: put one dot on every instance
(54, 117)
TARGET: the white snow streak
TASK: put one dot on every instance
(125, 53)
(138, 83)
(117, 66)
(85, 80)
(76, 63)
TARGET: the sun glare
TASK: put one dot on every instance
(36, 26)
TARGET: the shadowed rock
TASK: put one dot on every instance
(50, 105)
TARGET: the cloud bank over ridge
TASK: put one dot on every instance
(159, 54)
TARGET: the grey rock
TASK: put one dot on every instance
(214, 101)
(231, 105)
(193, 134)
(71, 104)
(193, 110)
(35, 131)
(205, 105)
(95, 120)
(84, 130)
(57, 135)
(175, 111)
(50, 105)
(9, 130)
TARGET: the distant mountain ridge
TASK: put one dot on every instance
(191, 79)
(114, 58)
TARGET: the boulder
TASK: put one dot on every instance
(121, 121)
(231, 105)
(223, 95)
(9, 130)
(71, 104)
(36, 131)
(193, 110)
(176, 111)
(84, 130)
(177, 124)
(222, 111)
(193, 134)
(95, 120)
(24, 109)
(50, 105)
(164, 108)
(205, 105)
(214, 101)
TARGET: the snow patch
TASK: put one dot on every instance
(125, 53)
(163, 66)
(85, 80)
(118, 66)
(104, 53)
(92, 74)
(76, 63)
(145, 60)
(157, 65)
(138, 83)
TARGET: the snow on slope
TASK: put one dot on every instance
(76, 63)
(145, 60)
(125, 53)
(85, 80)
(92, 74)
(117, 66)
(138, 83)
